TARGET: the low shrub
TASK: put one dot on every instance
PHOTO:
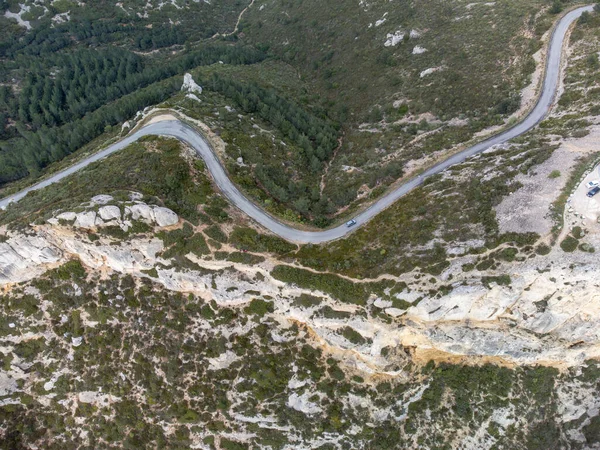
(71, 269)
(259, 307)
(214, 232)
(353, 336)
(569, 244)
(542, 249)
(577, 232)
(251, 240)
(245, 258)
(502, 280)
(338, 287)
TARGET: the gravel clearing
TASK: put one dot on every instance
(584, 208)
(526, 210)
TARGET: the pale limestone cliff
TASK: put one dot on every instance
(549, 314)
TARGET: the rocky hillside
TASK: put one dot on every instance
(138, 309)
(132, 321)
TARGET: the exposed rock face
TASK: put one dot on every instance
(550, 313)
(97, 398)
(101, 199)
(140, 212)
(163, 217)
(8, 385)
(189, 85)
(69, 216)
(303, 404)
(111, 214)
(25, 257)
(134, 255)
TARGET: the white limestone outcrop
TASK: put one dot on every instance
(549, 312)
(25, 257)
(120, 214)
(110, 212)
(86, 219)
(189, 85)
(164, 217)
(140, 211)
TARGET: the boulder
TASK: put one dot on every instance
(165, 217)
(102, 199)
(110, 212)
(142, 212)
(86, 219)
(70, 216)
(380, 303)
(395, 312)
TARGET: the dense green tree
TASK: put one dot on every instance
(68, 99)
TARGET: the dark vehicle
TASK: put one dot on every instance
(593, 191)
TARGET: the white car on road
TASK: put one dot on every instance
(592, 184)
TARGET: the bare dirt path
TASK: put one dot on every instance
(237, 24)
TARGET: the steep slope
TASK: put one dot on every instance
(127, 324)
(139, 309)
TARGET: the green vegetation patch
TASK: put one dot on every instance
(353, 336)
(72, 269)
(307, 300)
(569, 244)
(183, 241)
(158, 174)
(214, 232)
(338, 287)
(93, 90)
(245, 258)
(259, 307)
(543, 249)
(501, 280)
(250, 240)
(329, 313)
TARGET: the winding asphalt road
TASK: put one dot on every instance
(186, 134)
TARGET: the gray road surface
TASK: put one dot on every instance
(183, 132)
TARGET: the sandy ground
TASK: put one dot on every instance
(161, 118)
(526, 210)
